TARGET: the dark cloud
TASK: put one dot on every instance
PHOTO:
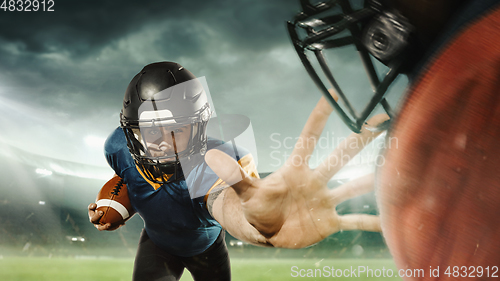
(63, 73)
(77, 25)
(93, 47)
(82, 26)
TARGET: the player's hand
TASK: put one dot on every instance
(293, 207)
(95, 216)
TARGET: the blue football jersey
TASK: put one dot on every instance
(175, 214)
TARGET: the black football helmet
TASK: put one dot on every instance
(162, 97)
(374, 28)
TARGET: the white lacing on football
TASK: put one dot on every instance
(115, 205)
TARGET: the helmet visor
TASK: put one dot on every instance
(165, 141)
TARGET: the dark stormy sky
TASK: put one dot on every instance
(63, 73)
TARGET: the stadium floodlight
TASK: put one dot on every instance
(43, 172)
(75, 238)
(237, 243)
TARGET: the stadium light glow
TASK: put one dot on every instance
(237, 243)
(41, 202)
(94, 141)
(43, 172)
(76, 239)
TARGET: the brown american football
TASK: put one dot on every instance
(113, 200)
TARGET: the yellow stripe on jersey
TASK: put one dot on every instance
(248, 165)
(153, 184)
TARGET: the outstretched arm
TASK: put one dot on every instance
(293, 207)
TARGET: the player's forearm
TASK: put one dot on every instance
(227, 211)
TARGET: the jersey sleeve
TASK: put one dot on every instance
(245, 160)
(116, 152)
(247, 163)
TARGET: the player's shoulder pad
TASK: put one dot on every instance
(116, 151)
(115, 141)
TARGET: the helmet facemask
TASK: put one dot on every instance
(374, 30)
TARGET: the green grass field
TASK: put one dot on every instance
(77, 269)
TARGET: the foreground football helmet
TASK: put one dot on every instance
(162, 99)
(374, 28)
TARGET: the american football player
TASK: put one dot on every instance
(439, 190)
(158, 151)
(178, 181)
